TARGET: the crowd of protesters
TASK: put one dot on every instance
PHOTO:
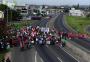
(34, 35)
(29, 36)
(4, 45)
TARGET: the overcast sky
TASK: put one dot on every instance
(53, 2)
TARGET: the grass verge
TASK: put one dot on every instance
(78, 23)
(21, 24)
(1, 56)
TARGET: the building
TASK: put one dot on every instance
(74, 12)
(42, 10)
(22, 9)
(31, 9)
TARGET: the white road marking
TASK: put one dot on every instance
(59, 59)
(41, 60)
(70, 55)
(35, 56)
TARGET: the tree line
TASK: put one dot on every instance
(10, 15)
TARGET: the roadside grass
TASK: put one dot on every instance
(1, 56)
(21, 24)
(78, 23)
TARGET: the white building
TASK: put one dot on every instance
(74, 12)
(22, 9)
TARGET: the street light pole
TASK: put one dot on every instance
(11, 15)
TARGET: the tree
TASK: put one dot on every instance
(89, 7)
(76, 6)
(3, 7)
(66, 10)
(16, 15)
(43, 6)
(10, 14)
(88, 15)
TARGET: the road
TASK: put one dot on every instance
(59, 25)
(41, 53)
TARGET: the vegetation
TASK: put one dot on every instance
(76, 6)
(66, 10)
(20, 24)
(88, 15)
(1, 57)
(78, 23)
(10, 14)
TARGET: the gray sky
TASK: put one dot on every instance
(53, 2)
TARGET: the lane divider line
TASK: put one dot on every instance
(41, 60)
(36, 56)
(59, 59)
(70, 55)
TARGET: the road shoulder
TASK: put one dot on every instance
(68, 50)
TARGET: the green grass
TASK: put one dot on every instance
(1, 56)
(21, 24)
(78, 23)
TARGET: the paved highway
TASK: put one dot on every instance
(54, 52)
(43, 53)
(59, 25)
(36, 54)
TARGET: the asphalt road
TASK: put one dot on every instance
(35, 54)
(59, 25)
(53, 53)
(25, 56)
(30, 55)
(41, 53)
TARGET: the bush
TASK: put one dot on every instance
(88, 15)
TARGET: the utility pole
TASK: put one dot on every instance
(14, 4)
(6, 3)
